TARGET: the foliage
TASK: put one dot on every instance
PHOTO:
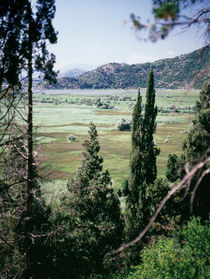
(124, 125)
(170, 216)
(11, 13)
(174, 166)
(184, 256)
(170, 14)
(92, 216)
(124, 76)
(143, 170)
(198, 138)
(14, 220)
(194, 147)
(71, 138)
(135, 188)
(149, 128)
(27, 34)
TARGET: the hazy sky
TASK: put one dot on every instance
(99, 31)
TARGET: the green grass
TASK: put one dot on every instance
(54, 123)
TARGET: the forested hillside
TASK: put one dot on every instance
(182, 71)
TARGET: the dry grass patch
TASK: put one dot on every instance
(100, 112)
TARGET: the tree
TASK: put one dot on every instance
(174, 166)
(38, 29)
(149, 124)
(180, 185)
(194, 147)
(11, 63)
(143, 170)
(133, 206)
(92, 214)
(197, 143)
(198, 168)
(27, 34)
(11, 13)
(168, 15)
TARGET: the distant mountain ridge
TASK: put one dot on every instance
(190, 69)
(72, 73)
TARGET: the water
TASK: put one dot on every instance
(91, 92)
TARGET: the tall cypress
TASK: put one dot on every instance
(149, 124)
(136, 170)
(143, 169)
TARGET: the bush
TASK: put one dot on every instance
(172, 107)
(71, 138)
(124, 125)
(184, 256)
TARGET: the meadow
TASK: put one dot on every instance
(63, 114)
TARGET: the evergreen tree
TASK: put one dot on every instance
(11, 13)
(37, 30)
(143, 169)
(93, 215)
(149, 125)
(26, 28)
(194, 147)
(133, 206)
(174, 165)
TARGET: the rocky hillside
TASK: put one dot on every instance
(179, 72)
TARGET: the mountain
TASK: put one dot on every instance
(190, 69)
(72, 73)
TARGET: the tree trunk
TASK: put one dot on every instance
(30, 168)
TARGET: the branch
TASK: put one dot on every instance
(167, 197)
(161, 27)
(196, 187)
(7, 186)
(21, 153)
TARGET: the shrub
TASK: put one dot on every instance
(124, 125)
(71, 138)
(184, 256)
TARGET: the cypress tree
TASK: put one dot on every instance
(149, 124)
(143, 170)
(136, 171)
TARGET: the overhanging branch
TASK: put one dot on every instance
(177, 187)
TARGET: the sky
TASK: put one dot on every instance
(97, 32)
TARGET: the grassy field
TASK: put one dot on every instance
(58, 115)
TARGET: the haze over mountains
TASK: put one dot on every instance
(75, 69)
(72, 73)
(188, 70)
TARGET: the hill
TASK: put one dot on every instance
(190, 69)
(72, 73)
